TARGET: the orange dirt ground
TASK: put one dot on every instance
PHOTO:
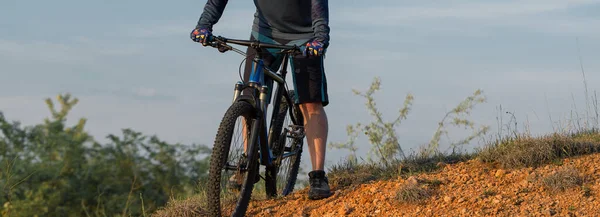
(465, 190)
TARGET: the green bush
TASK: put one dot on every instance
(51, 169)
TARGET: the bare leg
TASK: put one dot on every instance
(316, 126)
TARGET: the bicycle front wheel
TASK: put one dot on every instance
(233, 172)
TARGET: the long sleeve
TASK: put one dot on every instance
(320, 19)
(212, 13)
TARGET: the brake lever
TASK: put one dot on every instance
(223, 48)
(220, 45)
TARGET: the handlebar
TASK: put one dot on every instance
(220, 43)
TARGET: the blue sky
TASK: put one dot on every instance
(132, 64)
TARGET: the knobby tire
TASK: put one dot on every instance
(219, 157)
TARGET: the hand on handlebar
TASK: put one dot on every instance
(314, 48)
(201, 35)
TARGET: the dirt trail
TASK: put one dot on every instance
(463, 189)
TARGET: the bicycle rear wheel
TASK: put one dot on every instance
(287, 148)
(229, 160)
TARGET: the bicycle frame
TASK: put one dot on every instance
(256, 82)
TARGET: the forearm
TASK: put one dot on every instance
(320, 17)
(213, 10)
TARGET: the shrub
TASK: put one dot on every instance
(565, 178)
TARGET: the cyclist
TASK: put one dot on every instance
(300, 22)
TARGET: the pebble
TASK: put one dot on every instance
(500, 173)
(373, 189)
(448, 199)
(524, 183)
(550, 212)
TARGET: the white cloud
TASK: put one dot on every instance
(465, 10)
(145, 92)
(546, 77)
(465, 15)
(42, 51)
(232, 22)
(80, 50)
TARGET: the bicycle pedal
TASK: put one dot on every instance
(296, 132)
(296, 136)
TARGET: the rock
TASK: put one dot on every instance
(460, 200)
(524, 183)
(550, 212)
(532, 176)
(500, 173)
(448, 199)
(373, 189)
(496, 201)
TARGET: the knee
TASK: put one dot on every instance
(312, 108)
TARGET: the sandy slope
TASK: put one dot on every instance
(467, 189)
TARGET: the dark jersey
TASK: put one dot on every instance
(284, 19)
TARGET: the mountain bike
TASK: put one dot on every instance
(266, 146)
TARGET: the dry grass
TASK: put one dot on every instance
(563, 179)
(413, 193)
(349, 173)
(193, 206)
(421, 163)
(527, 151)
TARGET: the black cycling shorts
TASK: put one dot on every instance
(308, 73)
